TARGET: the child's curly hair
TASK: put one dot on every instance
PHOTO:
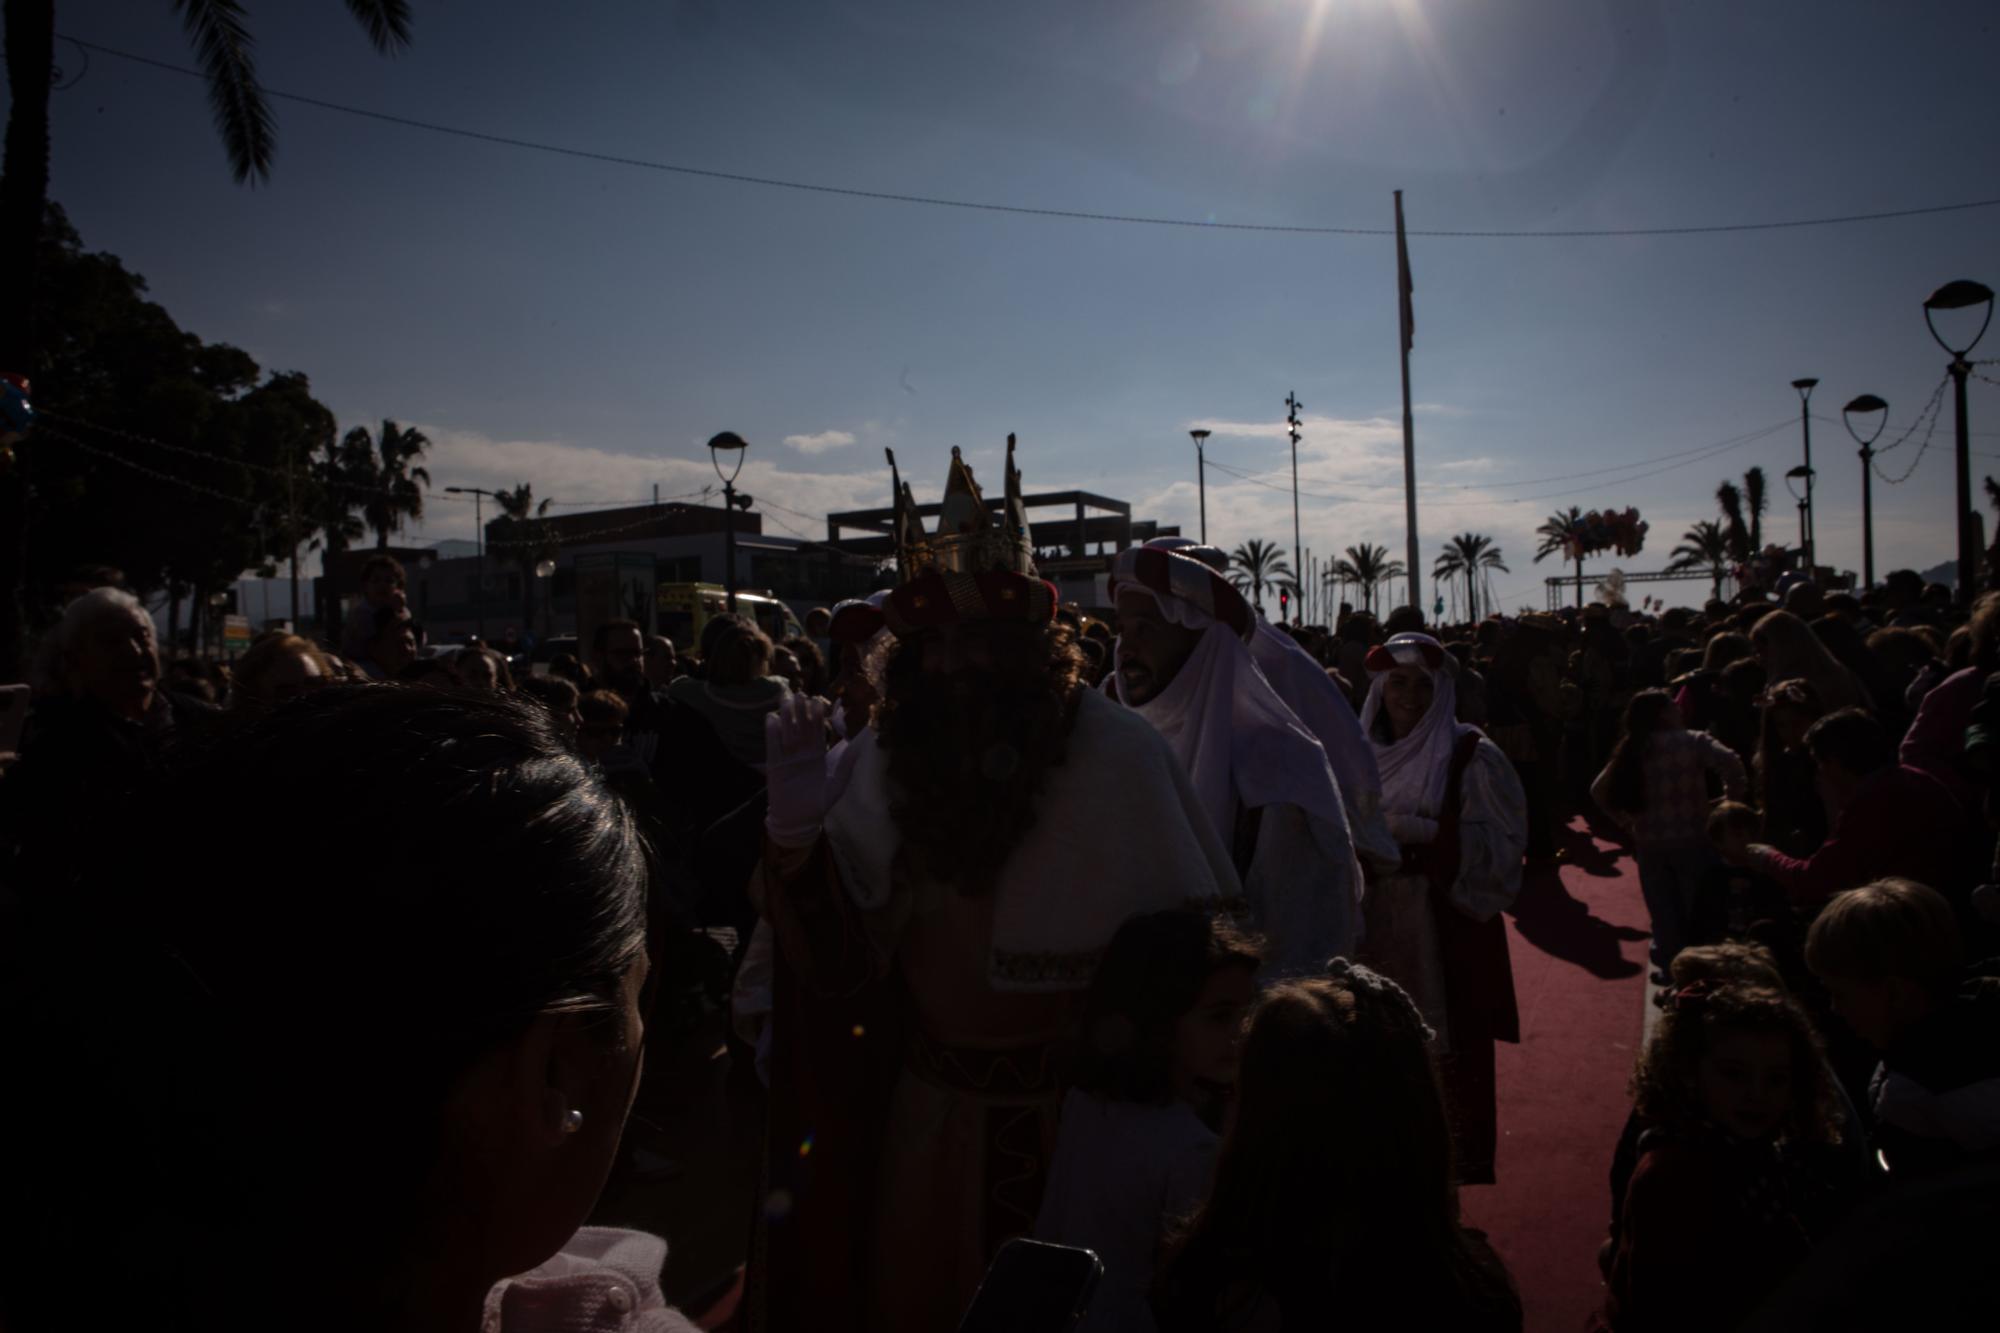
(1664, 1080)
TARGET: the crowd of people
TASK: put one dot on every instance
(1156, 930)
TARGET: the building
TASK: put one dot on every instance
(1075, 539)
(605, 563)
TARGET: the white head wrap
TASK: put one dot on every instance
(1416, 768)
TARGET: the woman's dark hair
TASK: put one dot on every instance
(263, 1067)
(1151, 974)
(1644, 715)
(1725, 648)
(1852, 738)
(812, 662)
(1333, 1199)
(554, 693)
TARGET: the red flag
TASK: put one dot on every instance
(1403, 284)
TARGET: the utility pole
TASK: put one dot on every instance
(479, 534)
(1292, 406)
(1201, 479)
(1805, 388)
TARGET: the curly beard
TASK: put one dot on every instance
(970, 750)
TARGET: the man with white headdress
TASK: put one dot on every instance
(1183, 663)
(1455, 805)
(1322, 707)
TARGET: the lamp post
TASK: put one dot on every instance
(1200, 438)
(1292, 406)
(728, 442)
(1799, 480)
(1866, 404)
(479, 531)
(1805, 388)
(1962, 295)
(543, 569)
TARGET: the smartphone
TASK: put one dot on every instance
(1033, 1287)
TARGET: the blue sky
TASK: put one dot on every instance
(586, 326)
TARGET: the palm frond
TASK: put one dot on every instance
(223, 44)
(387, 22)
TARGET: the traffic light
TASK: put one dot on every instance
(1284, 603)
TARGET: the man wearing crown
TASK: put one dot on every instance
(1262, 780)
(939, 900)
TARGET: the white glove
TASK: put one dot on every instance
(795, 770)
(1412, 830)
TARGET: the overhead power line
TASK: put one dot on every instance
(1024, 210)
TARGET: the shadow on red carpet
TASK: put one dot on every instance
(1578, 934)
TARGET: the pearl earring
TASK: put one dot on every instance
(572, 1120)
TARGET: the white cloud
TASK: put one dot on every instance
(821, 442)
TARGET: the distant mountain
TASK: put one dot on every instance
(1946, 573)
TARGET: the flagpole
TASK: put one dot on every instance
(1407, 318)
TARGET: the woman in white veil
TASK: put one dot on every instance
(1456, 807)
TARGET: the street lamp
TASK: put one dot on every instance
(1799, 481)
(479, 531)
(1866, 404)
(735, 446)
(543, 569)
(1201, 478)
(1805, 388)
(1962, 295)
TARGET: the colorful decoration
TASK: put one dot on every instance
(1622, 531)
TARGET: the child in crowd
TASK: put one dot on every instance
(1729, 1193)
(1155, 1067)
(1656, 785)
(1889, 952)
(1743, 964)
(600, 728)
(382, 588)
(1735, 902)
(1333, 1204)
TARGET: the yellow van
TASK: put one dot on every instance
(685, 608)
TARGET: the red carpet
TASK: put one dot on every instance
(1578, 938)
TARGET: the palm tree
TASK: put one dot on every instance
(527, 541)
(379, 471)
(1470, 554)
(221, 38)
(1258, 563)
(1706, 543)
(242, 117)
(1556, 532)
(1744, 512)
(1368, 567)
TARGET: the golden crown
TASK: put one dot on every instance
(968, 540)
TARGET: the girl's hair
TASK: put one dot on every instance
(503, 675)
(1151, 974)
(1695, 1016)
(1645, 714)
(277, 1036)
(256, 664)
(1724, 648)
(1751, 964)
(1338, 1170)
(1795, 651)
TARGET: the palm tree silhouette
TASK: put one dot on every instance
(1706, 543)
(381, 470)
(1470, 554)
(1369, 567)
(1258, 563)
(1743, 511)
(528, 540)
(1555, 533)
(223, 44)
